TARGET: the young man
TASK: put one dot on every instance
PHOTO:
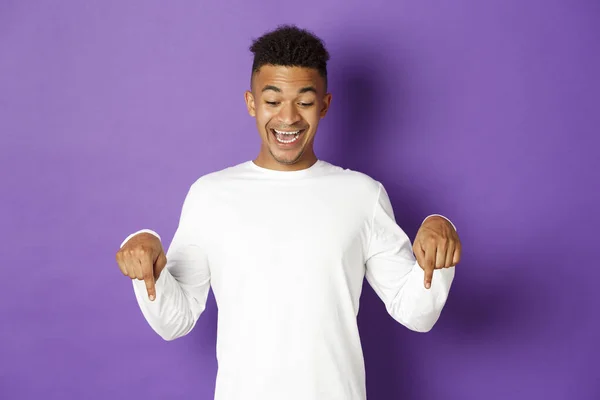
(285, 242)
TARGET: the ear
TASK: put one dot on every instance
(250, 103)
(326, 104)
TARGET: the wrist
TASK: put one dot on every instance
(435, 217)
(149, 231)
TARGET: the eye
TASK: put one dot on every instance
(272, 103)
(306, 104)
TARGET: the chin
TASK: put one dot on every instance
(287, 159)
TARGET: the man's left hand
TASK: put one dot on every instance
(436, 246)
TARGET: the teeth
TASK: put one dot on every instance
(287, 141)
(286, 133)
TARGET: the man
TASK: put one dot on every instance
(285, 242)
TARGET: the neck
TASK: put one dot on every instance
(267, 161)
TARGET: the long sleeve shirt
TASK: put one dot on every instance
(286, 253)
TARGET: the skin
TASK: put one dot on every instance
(436, 246)
(287, 99)
(290, 99)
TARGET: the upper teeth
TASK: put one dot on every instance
(286, 133)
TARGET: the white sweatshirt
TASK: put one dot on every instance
(285, 254)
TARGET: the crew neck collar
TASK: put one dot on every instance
(287, 174)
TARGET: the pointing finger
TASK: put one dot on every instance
(430, 256)
(148, 277)
(150, 288)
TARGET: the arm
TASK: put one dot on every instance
(183, 285)
(397, 278)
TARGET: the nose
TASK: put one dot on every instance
(288, 114)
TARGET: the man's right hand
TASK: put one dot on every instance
(143, 258)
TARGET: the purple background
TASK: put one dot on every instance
(486, 112)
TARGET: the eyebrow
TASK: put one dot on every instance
(305, 89)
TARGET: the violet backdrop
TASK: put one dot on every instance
(486, 112)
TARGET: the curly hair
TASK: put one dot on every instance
(290, 46)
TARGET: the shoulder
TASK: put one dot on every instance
(355, 180)
(218, 178)
(362, 189)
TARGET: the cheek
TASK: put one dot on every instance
(263, 115)
(312, 116)
(262, 118)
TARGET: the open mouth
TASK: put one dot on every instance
(287, 137)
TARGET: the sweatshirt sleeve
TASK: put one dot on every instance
(396, 277)
(183, 285)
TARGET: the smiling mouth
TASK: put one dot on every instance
(287, 137)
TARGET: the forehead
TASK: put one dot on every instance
(288, 79)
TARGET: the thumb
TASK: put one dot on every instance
(159, 264)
